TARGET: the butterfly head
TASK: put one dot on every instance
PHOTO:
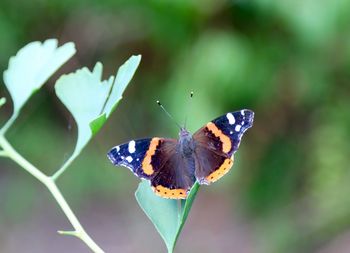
(184, 133)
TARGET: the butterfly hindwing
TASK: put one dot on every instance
(157, 160)
(216, 143)
(175, 175)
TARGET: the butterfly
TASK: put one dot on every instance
(173, 166)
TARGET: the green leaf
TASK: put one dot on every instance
(91, 100)
(124, 75)
(97, 123)
(32, 66)
(167, 215)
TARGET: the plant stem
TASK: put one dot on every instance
(79, 230)
(8, 124)
(49, 182)
(59, 172)
(12, 153)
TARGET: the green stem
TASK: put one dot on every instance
(59, 172)
(12, 153)
(79, 230)
(8, 124)
(49, 182)
(3, 153)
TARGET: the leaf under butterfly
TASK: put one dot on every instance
(167, 215)
(96, 98)
(32, 66)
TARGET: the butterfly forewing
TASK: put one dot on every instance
(133, 154)
(157, 160)
(217, 141)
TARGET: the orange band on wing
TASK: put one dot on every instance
(170, 193)
(226, 142)
(222, 170)
(146, 163)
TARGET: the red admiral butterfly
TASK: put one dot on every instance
(172, 166)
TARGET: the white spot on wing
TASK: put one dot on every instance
(231, 118)
(131, 147)
(231, 132)
(242, 112)
(238, 128)
(129, 159)
(118, 148)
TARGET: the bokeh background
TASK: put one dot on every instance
(289, 61)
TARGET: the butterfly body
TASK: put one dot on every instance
(186, 144)
(172, 166)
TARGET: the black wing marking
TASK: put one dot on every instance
(131, 155)
(157, 160)
(234, 125)
(216, 143)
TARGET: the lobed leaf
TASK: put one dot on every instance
(90, 99)
(124, 75)
(167, 215)
(32, 66)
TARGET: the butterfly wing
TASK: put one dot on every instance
(157, 160)
(176, 173)
(216, 143)
(133, 154)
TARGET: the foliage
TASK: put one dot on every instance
(28, 71)
(167, 215)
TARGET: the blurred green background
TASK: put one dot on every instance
(289, 61)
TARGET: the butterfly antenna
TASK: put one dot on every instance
(169, 115)
(188, 106)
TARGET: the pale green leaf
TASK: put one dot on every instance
(32, 66)
(84, 94)
(90, 99)
(124, 75)
(167, 215)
